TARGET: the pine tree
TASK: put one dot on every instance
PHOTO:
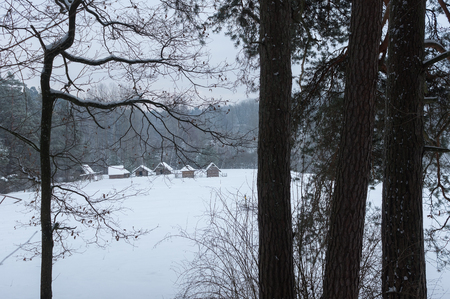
(402, 217)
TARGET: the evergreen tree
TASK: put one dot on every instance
(276, 273)
(402, 214)
(348, 205)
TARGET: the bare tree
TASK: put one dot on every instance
(66, 42)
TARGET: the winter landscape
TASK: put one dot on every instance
(326, 99)
(147, 267)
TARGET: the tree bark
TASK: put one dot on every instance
(348, 205)
(46, 199)
(402, 215)
(48, 99)
(46, 179)
(276, 274)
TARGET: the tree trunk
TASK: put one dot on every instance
(402, 215)
(276, 274)
(46, 179)
(46, 198)
(348, 205)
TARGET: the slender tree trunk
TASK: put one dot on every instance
(46, 198)
(348, 205)
(48, 100)
(276, 274)
(46, 182)
(402, 220)
(46, 176)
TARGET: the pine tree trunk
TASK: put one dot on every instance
(348, 205)
(276, 274)
(402, 220)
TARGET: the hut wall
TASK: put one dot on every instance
(212, 172)
(188, 174)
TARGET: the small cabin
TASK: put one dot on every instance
(163, 168)
(187, 172)
(89, 174)
(118, 172)
(212, 171)
(142, 171)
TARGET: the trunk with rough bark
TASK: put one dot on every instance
(348, 205)
(276, 274)
(402, 220)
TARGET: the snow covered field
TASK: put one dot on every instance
(120, 270)
(145, 269)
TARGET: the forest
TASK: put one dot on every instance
(354, 93)
(114, 138)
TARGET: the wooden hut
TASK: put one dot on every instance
(187, 172)
(142, 171)
(212, 171)
(89, 174)
(118, 172)
(163, 168)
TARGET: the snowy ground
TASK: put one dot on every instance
(145, 269)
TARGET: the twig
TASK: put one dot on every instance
(20, 246)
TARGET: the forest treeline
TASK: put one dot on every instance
(117, 137)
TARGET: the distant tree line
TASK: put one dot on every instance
(115, 137)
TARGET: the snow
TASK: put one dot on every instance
(187, 168)
(117, 170)
(147, 267)
(87, 169)
(165, 165)
(212, 165)
(144, 168)
(144, 270)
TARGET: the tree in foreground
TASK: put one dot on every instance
(135, 45)
(276, 274)
(402, 211)
(348, 205)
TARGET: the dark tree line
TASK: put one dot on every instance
(115, 137)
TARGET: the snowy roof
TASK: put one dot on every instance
(212, 165)
(187, 168)
(87, 169)
(117, 170)
(143, 167)
(165, 165)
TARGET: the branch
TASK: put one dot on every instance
(135, 28)
(20, 246)
(442, 227)
(445, 9)
(22, 138)
(5, 196)
(113, 58)
(430, 100)
(438, 47)
(436, 149)
(105, 105)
